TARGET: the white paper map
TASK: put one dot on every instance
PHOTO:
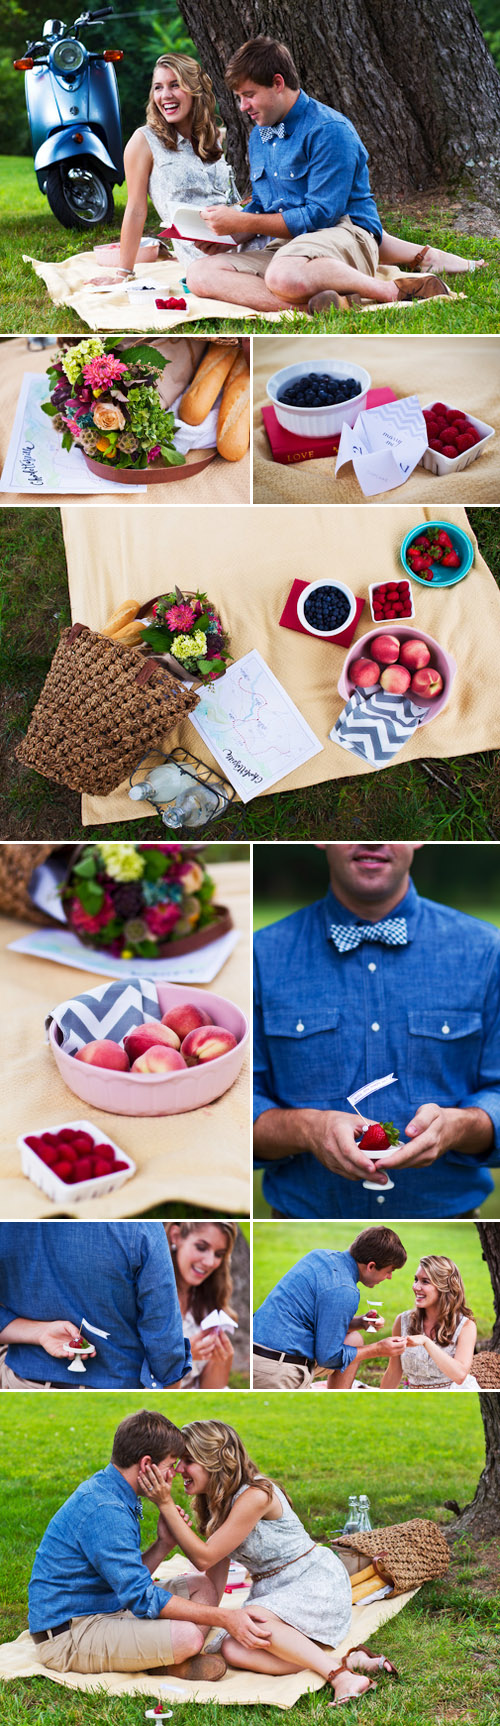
(65, 949)
(36, 461)
(384, 445)
(252, 727)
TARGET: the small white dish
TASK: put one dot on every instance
(61, 1192)
(322, 421)
(325, 634)
(386, 623)
(443, 464)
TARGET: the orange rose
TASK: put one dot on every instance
(108, 418)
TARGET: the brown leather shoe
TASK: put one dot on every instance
(204, 1668)
(422, 288)
(322, 302)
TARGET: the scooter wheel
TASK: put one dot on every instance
(78, 197)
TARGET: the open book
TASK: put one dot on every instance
(188, 224)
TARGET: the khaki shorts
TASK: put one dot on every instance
(10, 1381)
(114, 1642)
(279, 1374)
(349, 245)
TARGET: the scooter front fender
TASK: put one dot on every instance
(62, 147)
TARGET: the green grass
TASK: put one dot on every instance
(453, 799)
(28, 227)
(279, 1245)
(320, 1449)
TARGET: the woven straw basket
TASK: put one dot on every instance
(17, 863)
(486, 1369)
(102, 708)
(407, 1554)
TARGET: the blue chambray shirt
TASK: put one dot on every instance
(89, 1560)
(310, 1310)
(328, 1022)
(314, 175)
(119, 1276)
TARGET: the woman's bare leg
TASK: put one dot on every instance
(290, 1650)
(395, 251)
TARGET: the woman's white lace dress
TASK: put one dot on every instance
(311, 1589)
(423, 1373)
(180, 177)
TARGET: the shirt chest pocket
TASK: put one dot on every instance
(443, 1054)
(305, 1050)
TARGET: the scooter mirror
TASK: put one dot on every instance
(53, 27)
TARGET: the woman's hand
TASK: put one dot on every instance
(152, 1486)
(223, 1350)
(419, 1341)
(163, 1532)
(203, 1344)
(250, 1626)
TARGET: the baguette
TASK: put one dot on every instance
(373, 1587)
(131, 635)
(363, 1575)
(233, 430)
(204, 389)
(124, 614)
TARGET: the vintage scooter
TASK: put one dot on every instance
(74, 117)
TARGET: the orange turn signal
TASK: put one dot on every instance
(23, 65)
(113, 54)
(77, 137)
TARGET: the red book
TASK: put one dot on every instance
(287, 448)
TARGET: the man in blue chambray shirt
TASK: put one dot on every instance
(311, 197)
(306, 1320)
(118, 1276)
(92, 1604)
(374, 980)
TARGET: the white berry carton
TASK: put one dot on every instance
(61, 1192)
(443, 464)
(385, 626)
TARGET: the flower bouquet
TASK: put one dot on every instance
(141, 901)
(187, 631)
(107, 402)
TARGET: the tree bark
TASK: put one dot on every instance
(489, 1235)
(416, 79)
(482, 1517)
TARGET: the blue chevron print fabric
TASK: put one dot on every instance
(111, 1010)
(376, 726)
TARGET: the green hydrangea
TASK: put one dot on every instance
(90, 349)
(190, 646)
(123, 862)
(150, 422)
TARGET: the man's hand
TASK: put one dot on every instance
(434, 1131)
(335, 1145)
(370, 1321)
(250, 1626)
(53, 1336)
(226, 219)
(211, 246)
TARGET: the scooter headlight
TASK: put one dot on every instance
(68, 57)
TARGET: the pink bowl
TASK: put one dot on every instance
(161, 1093)
(444, 662)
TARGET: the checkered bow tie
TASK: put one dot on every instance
(268, 132)
(392, 932)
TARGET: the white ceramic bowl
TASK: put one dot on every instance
(372, 590)
(443, 661)
(325, 634)
(318, 422)
(61, 1191)
(443, 464)
(160, 1093)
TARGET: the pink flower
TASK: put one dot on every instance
(154, 452)
(102, 371)
(160, 920)
(73, 427)
(83, 922)
(180, 618)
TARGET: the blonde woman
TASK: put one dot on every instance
(437, 1335)
(201, 1256)
(301, 1593)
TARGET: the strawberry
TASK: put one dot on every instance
(451, 561)
(379, 1136)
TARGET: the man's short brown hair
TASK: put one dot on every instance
(262, 59)
(146, 1434)
(379, 1246)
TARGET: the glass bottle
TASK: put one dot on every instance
(364, 1524)
(352, 1520)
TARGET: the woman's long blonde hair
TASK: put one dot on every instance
(452, 1305)
(204, 131)
(217, 1288)
(219, 1449)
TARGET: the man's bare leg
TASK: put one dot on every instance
(214, 279)
(338, 1380)
(394, 251)
(297, 280)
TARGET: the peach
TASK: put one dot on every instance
(142, 1037)
(427, 682)
(104, 1054)
(396, 679)
(206, 1044)
(364, 673)
(160, 1058)
(186, 1018)
(414, 654)
(385, 649)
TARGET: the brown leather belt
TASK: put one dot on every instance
(281, 1354)
(55, 1630)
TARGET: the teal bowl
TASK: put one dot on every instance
(441, 577)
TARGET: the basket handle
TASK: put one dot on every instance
(74, 632)
(146, 671)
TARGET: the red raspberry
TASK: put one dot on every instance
(101, 1168)
(464, 443)
(83, 1142)
(449, 451)
(63, 1171)
(119, 1165)
(84, 1169)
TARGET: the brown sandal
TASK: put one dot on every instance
(385, 1665)
(339, 1703)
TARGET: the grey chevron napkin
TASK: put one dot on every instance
(377, 725)
(110, 1010)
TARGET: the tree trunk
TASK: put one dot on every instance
(240, 1300)
(482, 1517)
(489, 1235)
(416, 79)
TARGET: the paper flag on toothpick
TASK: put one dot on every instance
(375, 1085)
(93, 1328)
(220, 1319)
